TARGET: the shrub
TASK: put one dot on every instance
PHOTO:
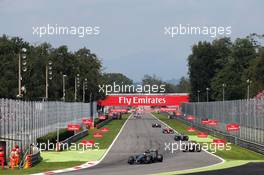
(52, 137)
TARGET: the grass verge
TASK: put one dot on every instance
(66, 159)
(236, 152)
(237, 156)
(41, 167)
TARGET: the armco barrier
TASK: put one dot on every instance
(248, 114)
(233, 139)
(101, 124)
(22, 122)
(35, 158)
(73, 138)
(32, 159)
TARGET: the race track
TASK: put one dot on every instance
(137, 136)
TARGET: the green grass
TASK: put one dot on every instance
(41, 167)
(59, 160)
(239, 153)
(67, 156)
(236, 152)
(109, 136)
(227, 164)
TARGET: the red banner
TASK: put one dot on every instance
(178, 113)
(190, 117)
(168, 109)
(73, 127)
(205, 122)
(219, 141)
(97, 135)
(213, 122)
(191, 129)
(104, 129)
(87, 121)
(202, 135)
(118, 110)
(144, 100)
(102, 117)
(232, 127)
(87, 142)
(131, 110)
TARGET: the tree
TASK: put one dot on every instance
(202, 68)
(117, 78)
(154, 80)
(81, 62)
(183, 86)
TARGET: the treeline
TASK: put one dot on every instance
(182, 87)
(64, 62)
(223, 64)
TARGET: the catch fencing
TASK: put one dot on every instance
(22, 122)
(249, 114)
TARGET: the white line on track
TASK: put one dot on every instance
(222, 160)
(87, 164)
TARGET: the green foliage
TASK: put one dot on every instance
(117, 78)
(52, 137)
(184, 85)
(81, 62)
(114, 127)
(222, 62)
(154, 80)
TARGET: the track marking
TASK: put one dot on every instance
(222, 160)
(90, 163)
(115, 139)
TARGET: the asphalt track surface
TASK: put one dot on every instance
(138, 136)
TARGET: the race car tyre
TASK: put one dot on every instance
(131, 160)
(192, 149)
(198, 148)
(147, 160)
(159, 158)
(185, 148)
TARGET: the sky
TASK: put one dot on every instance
(132, 39)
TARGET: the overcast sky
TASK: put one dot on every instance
(132, 39)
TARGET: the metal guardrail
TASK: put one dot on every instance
(35, 158)
(101, 124)
(22, 122)
(73, 138)
(249, 114)
(230, 138)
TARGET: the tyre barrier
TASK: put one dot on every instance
(259, 148)
(32, 160)
(72, 139)
(101, 124)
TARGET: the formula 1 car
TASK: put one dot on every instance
(181, 137)
(149, 156)
(192, 146)
(167, 131)
(138, 115)
(156, 125)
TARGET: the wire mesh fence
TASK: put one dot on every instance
(22, 122)
(249, 114)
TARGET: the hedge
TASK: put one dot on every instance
(52, 137)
